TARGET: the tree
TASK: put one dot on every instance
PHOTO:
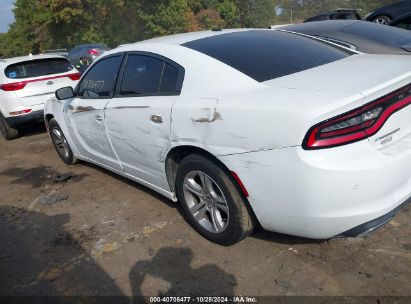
(256, 13)
(230, 13)
(50, 24)
(165, 17)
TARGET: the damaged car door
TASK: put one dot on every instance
(138, 117)
(85, 114)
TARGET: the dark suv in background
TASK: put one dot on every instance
(386, 14)
(403, 22)
(88, 52)
(339, 14)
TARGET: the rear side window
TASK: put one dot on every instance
(266, 54)
(38, 68)
(97, 46)
(149, 75)
(100, 79)
(169, 79)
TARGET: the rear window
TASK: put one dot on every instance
(318, 18)
(37, 68)
(384, 34)
(97, 46)
(264, 55)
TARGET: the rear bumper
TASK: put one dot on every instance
(374, 224)
(32, 117)
(326, 193)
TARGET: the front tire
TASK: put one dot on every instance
(8, 132)
(211, 201)
(382, 19)
(60, 143)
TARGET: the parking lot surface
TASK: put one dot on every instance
(81, 230)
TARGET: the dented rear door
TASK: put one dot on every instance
(138, 118)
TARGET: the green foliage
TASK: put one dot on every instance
(229, 12)
(51, 24)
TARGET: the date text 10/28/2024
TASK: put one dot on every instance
(238, 299)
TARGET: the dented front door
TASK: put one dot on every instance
(85, 121)
(85, 113)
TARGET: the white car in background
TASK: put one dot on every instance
(25, 84)
(248, 126)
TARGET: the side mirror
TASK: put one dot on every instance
(65, 93)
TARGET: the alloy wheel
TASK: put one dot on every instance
(381, 21)
(206, 201)
(60, 142)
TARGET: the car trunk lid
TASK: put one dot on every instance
(37, 90)
(356, 82)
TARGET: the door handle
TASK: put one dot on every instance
(99, 117)
(156, 118)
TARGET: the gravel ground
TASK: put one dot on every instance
(81, 230)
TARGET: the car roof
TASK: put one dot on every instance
(348, 10)
(93, 44)
(180, 39)
(13, 60)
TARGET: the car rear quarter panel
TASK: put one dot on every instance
(254, 120)
(246, 116)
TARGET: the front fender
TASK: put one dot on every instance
(56, 108)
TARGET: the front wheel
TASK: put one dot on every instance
(211, 202)
(60, 143)
(382, 19)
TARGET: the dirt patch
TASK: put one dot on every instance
(39, 176)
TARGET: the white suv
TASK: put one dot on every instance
(25, 84)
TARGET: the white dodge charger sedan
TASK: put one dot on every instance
(248, 127)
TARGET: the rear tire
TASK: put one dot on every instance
(211, 201)
(60, 143)
(8, 132)
(382, 19)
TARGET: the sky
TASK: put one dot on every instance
(6, 14)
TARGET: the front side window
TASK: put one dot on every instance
(38, 68)
(148, 75)
(100, 80)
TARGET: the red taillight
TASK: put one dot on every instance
(20, 112)
(93, 52)
(358, 124)
(13, 86)
(20, 85)
(75, 76)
